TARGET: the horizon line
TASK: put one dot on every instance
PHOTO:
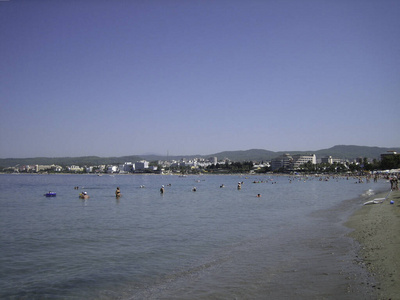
(182, 155)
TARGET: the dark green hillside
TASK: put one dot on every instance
(246, 155)
(351, 152)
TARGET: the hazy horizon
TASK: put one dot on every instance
(196, 154)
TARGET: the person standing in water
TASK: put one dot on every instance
(162, 189)
(118, 193)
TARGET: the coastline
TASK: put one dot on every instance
(376, 228)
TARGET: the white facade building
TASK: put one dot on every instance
(288, 161)
(112, 169)
(127, 167)
(299, 160)
(74, 168)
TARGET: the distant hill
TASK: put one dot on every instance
(340, 151)
(246, 155)
(351, 151)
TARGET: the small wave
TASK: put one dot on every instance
(368, 193)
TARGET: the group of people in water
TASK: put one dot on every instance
(194, 189)
(118, 194)
(84, 195)
(393, 182)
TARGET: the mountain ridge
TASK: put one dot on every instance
(338, 151)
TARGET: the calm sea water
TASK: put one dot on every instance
(215, 243)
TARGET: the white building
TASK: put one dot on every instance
(330, 160)
(74, 168)
(264, 165)
(127, 167)
(288, 161)
(299, 160)
(112, 169)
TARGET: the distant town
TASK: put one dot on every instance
(286, 163)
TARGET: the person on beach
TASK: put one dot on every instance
(118, 193)
(394, 183)
(376, 178)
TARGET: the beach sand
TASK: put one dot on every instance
(377, 229)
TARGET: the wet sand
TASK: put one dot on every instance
(377, 229)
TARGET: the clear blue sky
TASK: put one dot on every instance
(113, 78)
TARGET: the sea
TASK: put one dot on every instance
(218, 242)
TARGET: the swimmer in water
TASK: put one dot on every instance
(84, 195)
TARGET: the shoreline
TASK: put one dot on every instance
(376, 229)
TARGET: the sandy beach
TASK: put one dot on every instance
(376, 228)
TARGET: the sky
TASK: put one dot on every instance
(186, 77)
